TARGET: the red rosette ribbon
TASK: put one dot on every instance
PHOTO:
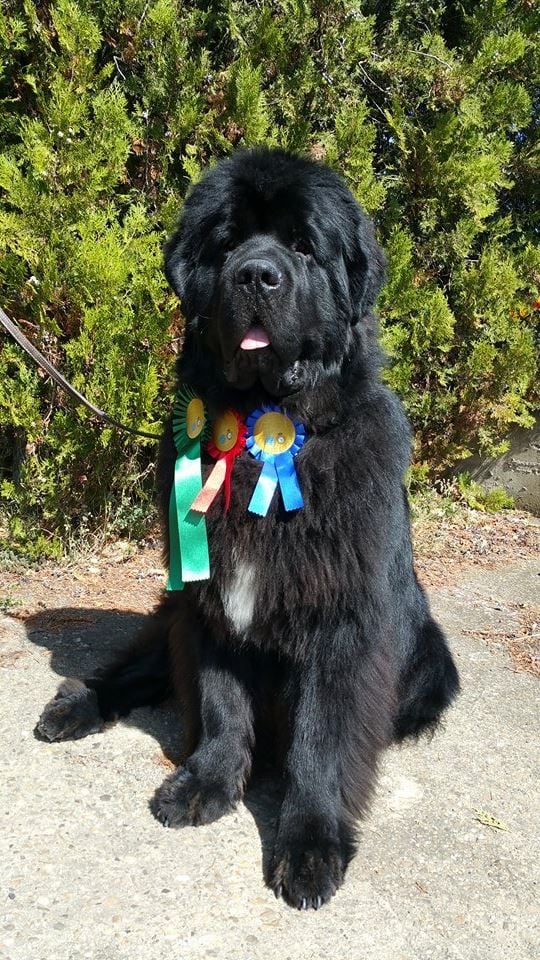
(226, 444)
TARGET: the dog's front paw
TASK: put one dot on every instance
(307, 871)
(71, 714)
(185, 799)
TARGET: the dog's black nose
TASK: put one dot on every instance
(259, 273)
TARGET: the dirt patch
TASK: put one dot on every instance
(126, 577)
(446, 547)
(121, 577)
(522, 642)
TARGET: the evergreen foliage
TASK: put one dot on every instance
(111, 108)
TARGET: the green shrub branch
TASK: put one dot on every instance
(111, 108)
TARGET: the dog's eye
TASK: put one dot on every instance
(229, 246)
(302, 247)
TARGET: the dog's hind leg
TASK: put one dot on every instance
(428, 685)
(140, 676)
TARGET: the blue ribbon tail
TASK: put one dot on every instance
(288, 482)
(265, 489)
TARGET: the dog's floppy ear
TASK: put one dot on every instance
(200, 212)
(180, 255)
(177, 261)
(367, 269)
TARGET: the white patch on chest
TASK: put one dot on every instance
(239, 597)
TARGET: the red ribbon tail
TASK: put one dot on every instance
(211, 488)
(229, 462)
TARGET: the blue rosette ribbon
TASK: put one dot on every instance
(275, 439)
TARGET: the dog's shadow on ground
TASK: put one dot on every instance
(80, 640)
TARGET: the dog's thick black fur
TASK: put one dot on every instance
(312, 645)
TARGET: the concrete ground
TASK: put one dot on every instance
(86, 872)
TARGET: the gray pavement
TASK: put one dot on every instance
(86, 872)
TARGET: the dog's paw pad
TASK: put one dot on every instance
(71, 714)
(183, 799)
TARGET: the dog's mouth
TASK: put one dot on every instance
(255, 349)
(253, 354)
(256, 359)
(256, 338)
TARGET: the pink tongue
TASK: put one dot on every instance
(255, 338)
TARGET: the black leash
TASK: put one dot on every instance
(46, 365)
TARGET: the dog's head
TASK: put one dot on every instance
(277, 269)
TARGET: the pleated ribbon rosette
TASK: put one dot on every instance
(275, 438)
(189, 560)
(226, 444)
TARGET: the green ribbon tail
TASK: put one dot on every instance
(189, 558)
(192, 525)
(175, 581)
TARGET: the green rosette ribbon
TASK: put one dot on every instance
(188, 543)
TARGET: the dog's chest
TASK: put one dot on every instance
(249, 555)
(239, 597)
(265, 568)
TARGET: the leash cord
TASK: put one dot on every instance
(59, 378)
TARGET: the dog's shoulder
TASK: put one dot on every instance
(376, 403)
(373, 431)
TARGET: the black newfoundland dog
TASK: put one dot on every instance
(311, 646)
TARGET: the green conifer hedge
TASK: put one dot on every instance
(111, 108)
